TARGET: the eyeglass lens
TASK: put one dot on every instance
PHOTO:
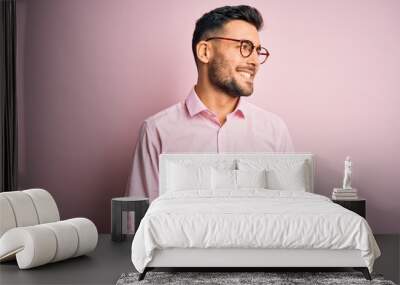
(247, 47)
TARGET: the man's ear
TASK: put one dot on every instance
(203, 50)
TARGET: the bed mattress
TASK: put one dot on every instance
(251, 219)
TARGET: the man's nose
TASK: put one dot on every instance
(253, 59)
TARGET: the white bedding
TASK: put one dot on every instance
(250, 218)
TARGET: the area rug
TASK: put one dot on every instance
(244, 278)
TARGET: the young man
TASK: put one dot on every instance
(214, 117)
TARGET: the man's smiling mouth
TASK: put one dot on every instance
(246, 73)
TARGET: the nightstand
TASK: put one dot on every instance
(358, 206)
(119, 205)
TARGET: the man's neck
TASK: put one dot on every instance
(216, 101)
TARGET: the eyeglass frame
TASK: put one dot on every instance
(253, 46)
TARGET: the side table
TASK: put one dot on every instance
(119, 205)
(358, 206)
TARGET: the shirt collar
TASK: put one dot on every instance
(196, 106)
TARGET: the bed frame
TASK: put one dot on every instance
(246, 258)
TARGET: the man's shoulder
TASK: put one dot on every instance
(171, 113)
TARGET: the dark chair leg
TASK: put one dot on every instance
(143, 274)
(364, 271)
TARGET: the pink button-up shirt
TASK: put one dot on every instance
(190, 127)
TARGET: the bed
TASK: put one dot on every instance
(247, 210)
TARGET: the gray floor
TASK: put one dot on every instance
(389, 262)
(102, 266)
(110, 260)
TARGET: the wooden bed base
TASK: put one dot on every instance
(244, 259)
(364, 270)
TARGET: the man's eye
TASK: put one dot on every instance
(247, 46)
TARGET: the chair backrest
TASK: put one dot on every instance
(234, 161)
(26, 208)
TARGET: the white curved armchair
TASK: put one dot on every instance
(31, 230)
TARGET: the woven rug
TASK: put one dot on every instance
(243, 278)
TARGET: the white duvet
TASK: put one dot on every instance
(251, 218)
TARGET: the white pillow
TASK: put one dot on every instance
(251, 178)
(236, 179)
(183, 177)
(288, 179)
(281, 174)
(223, 179)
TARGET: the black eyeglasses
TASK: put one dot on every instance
(246, 48)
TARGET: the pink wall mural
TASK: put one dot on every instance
(90, 72)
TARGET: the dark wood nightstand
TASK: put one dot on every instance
(358, 206)
(138, 205)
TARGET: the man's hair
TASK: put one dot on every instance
(217, 18)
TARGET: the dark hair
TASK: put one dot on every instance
(215, 20)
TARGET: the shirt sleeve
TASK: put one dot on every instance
(284, 141)
(143, 180)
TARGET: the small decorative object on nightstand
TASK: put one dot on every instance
(346, 192)
(138, 205)
(358, 205)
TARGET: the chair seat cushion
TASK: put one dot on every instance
(45, 243)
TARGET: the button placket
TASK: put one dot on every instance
(220, 138)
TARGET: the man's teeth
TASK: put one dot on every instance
(245, 74)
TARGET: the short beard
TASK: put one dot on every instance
(229, 85)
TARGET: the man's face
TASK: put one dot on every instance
(228, 70)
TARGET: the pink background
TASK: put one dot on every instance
(90, 71)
